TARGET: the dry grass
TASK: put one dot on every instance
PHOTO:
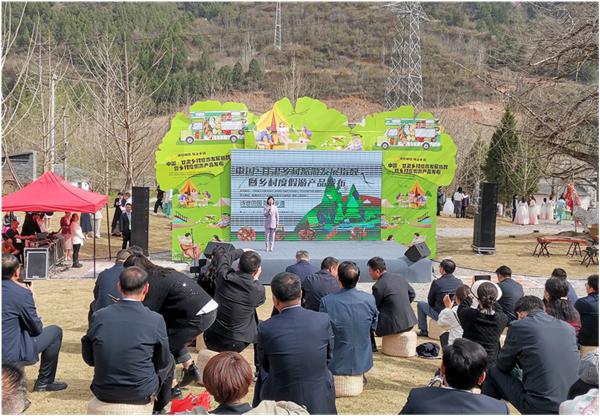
(65, 303)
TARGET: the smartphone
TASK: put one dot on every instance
(452, 296)
(483, 277)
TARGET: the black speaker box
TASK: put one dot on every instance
(417, 252)
(213, 245)
(140, 216)
(484, 230)
(36, 263)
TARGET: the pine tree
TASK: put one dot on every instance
(254, 74)
(237, 76)
(501, 155)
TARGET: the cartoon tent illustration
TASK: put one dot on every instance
(417, 190)
(188, 187)
(223, 202)
(271, 119)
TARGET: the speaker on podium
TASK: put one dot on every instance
(484, 230)
(140, 216)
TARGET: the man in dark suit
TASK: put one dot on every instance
(320, 284)
(512, 291)
(126, 226)
(588, 312)
(294, 351)
(463, 367)
(545, 349)
(23, 334)
(238, 294)
(105, 290)
(302, 268)
(393, 296)
(353, 316)
(439, 288)
(128, 347)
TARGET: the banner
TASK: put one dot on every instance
(320, 195)
(377, 180)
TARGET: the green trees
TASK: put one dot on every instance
(237, 76)
(513, 161)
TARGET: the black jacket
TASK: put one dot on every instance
(302, 269)
(511, 292)
(393, 296)
(127, 345)
(317, 286)
(439, 288)
(105, 290)
(483, 329)
(238, 296)
(124, 222)
(588, 312)
(546, 350)
(176, 297)
(294, 351)
(440, 401)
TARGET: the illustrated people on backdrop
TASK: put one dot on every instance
(116, 219)
(65, 230)
(522, 217)
(224, 222)
(283, 133)
(264, 137)
(417, 239)
(457, 199)
(24, 336)
(126, 226)
(355, 145)
(78, 237)
(533, 211)
(271, 214)
(160, 194)
(188, 247)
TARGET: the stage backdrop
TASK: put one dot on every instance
(395, 199)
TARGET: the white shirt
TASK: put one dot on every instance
(448, 319)
(458, 196)
(209, 307)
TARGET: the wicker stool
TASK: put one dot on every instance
(403, 344)
(585, 350)
(200, 345)
(203, 357)
(96, 407)
(434, 330)
(348, 386)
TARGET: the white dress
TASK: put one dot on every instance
(550, 209)
(543, 211)
(533, 218)
(522, 216)
(448, 209)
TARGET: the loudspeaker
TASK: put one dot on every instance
(36, 263)
(417, 252)
(213, 245)
(140, 216)
(484, 230)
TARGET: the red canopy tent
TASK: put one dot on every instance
(51, 193)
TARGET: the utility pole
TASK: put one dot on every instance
(66, 144)
(405, 82)
(277, 36)
(52, 122)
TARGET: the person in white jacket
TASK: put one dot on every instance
(78, 238)
(448, 318)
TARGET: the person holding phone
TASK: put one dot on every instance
(448, 318)
(271, 214)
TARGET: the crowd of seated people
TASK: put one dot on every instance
(144, 317)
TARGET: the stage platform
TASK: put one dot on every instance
(357, 251)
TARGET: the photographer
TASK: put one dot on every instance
(448, 318)
(238, 293)
(23, 333)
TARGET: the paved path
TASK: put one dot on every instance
(506, 230)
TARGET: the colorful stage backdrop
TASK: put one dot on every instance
(377, 180)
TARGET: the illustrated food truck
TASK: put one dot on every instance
(410, 132)
(215, 125)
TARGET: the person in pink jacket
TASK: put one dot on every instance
(271, 221)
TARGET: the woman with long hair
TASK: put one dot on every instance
(186, 308)
(78, 237)
(522, 216)
(271, 214)
(484, 324)
(557, 303)
(116, 224)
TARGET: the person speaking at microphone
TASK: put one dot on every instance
(271, 221)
